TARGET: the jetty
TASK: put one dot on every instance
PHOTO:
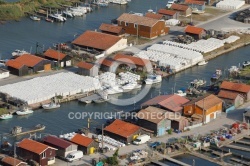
(158, 163)
(240, 161)
(243, 142)
(165, 157)
(221, 154)
(238, 148)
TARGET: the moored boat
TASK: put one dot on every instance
(216, 75)
(50, 106)
(49, 20)
(24, 111)
(85, 101)
(35, 18)
(18, 130)
(131, 86)
(6, 116)
(181, 93)
(152, 79)
(18, 52)
(202, 63)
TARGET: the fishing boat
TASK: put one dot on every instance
(18, 52)
(24, 111)
(202, 63)
(50, 106)
(58, 17)
(234, 70)
(35, 18)
(216, 75)
(18, 130)
(197, 83)
(49, 20)
(152, 79)
(6, 116)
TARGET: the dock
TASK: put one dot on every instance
(206, 149)
(158, 163)
(237, 148)
(173, 160)
(240, 161)
(247, 137)
(221, 154)
(199, 155)
(90, 98)
(243, 142)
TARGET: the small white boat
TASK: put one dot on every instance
(6, 116)
(24, 111)
(50, 106)
(18, 52)
(202, 63)
(35, 18)
(181, 93)
(100, 100)
(85, 101)
(245, 64)
(113, 90)
(120, 2)
(68, 14)
(152, 79)
(131, 86)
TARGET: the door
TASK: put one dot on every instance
(161, 131)
(47, 67)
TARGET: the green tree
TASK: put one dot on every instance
(114, 159)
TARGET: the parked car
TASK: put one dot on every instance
(141, 139)
(74, 156)
(154, 144)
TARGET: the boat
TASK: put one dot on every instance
(35, 18)
(216, 75)
(152, 79)
(18, 130)
(234, 70)
(101, 99)
(85, 101)
(50, 106)
(181, 93)
(6, 116)
(170, 3)
(197, 83)
(113, 90)
(19, 52)
(49, 20)
(24, 111)
(245, 64)
(68, 14)
(131, 86)
(120, 2)
(58, 17)
(201, 63)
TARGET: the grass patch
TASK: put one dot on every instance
(3, 111)
(245, 71)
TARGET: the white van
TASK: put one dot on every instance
(141, 139)
(74, 156)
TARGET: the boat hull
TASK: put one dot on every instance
(21, 113)
(48, 107)
(6, 117)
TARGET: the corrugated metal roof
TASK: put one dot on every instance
(122, 128)
(57, 141)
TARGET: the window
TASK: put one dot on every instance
(126, 24)
(43, 155)
(135, 25)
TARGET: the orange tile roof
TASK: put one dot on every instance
(33, 146)
(131, 59)
(85, 65)
(110, 28)
(208, 102)
(237, 87)
(228, 94)
(14, 64)
(166, 12)
(106, 62)
(174, 103)
(154, 16)
(122, 128)
(193, 30)
(29, 60)
(97, 40)
(195, 2)
(140, 20)
(178, 7)
(81, 140)
(12, 161)
(54, 54)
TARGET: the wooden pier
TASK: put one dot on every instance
(221, 154)
(240, 161)
(243, 142)
(158, 163)
(237, 148)
(199, 155)
(173, 160)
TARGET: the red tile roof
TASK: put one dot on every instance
(178, 7)
(33, 146)
(155, 100)
(57, 141)
(110, 28)
(14, 64)
(135, 19)
(81, 140)
(29, 60)
(237, 87)
(193, 30)
(122, 128)
(85, 65)
(12, 161)
(228, 94)
(106, 62)
(54, 54)
(131, 60)
(167, 12)
(154, 16)
(208, 101)
(97, 40)
(195, 2)
(173, 103)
